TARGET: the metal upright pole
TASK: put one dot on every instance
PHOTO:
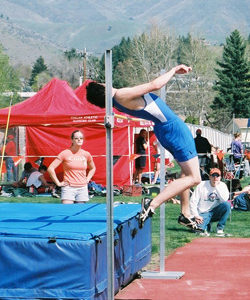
(109, 124)
(162, 210)
(162, 274)
(162, 186)
(149, 158)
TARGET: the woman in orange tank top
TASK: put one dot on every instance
(78, 167)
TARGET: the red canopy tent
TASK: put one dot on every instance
(123, 139)
(55, 104)
(55, 111)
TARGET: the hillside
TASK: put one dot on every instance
(24, 46)
(44, 27)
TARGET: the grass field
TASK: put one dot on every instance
(176, 235)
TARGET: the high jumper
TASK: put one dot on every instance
(170, 130)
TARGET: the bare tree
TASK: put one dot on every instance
(69, 70)
(41, 80)
(150, 52)
(196, 92)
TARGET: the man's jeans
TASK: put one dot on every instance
(10, 168)
(219, 213)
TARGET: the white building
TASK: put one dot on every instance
(240, 125)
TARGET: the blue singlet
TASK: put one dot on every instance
(170, 130)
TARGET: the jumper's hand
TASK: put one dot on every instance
(182, 69)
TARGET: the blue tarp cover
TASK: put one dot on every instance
(76, 222)
(54, 251)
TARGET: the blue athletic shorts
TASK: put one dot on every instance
(176, 137)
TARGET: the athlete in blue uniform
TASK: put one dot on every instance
(169, 129)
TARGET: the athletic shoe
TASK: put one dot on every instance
(54, 195)
(205, 233)
(146, 211)
(220, 233)
(190, 223)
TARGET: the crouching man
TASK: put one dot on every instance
(209, 203)
(37, 183)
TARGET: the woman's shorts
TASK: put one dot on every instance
(77, 194)
(140, 162)
(176, 137)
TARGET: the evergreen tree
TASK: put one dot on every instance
(120, 53)
(184, 46)
(233, 85)
(38, 67)
(71, 54)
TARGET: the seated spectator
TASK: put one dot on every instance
(234, 185)
(246, 189)
(37, 182)
(28, 169)
(241, 199)
(209, 203)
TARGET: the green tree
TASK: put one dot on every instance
(120, 53)
(9, 81)
(192, 120)
(38, 67)
(184, 46)
(41, 80)
(233, 84)
(72, 54)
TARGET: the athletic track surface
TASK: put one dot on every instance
(215, 268)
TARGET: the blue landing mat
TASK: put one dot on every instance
(55, 251)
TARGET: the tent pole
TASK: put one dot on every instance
(132, 149)
(109, 125)
(149, 157)
(129, 154)
(5, 137)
